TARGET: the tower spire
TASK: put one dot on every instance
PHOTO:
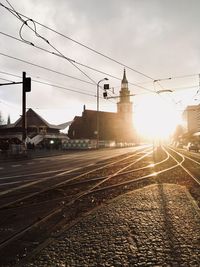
(124, 106)
(124, 80)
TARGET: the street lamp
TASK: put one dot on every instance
(97, 132)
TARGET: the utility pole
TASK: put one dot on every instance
(26, 87)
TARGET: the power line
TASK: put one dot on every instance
(53, 85)
(18, 15)
(9, 105)
(81, 44)
(112, 76)
(38, 35)
(176, 77)
(49, 84)
(45, 68)
(12, 9)
(86, 66)
(60, 54)
(6, 80)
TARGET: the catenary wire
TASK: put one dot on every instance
(56, 86)
(13, 11)
(86, 66)
(91, 49)
(45, 68)
(60, 54)
(38, 35)
(79, 43)
(6, 80)
(49, 84)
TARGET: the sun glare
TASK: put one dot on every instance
(155, 117)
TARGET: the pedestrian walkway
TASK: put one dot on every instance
(158, 225)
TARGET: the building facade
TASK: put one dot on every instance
(38, 130)
(191, 117)
(117, 126)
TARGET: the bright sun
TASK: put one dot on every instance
(155, 117)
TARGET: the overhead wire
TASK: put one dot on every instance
(9, 105)
(91, 68)
(12, 9)
(50, 84)
(83, 45)
(86, 66)
(6, 80)
(177, 77)
(18, 15)
(45, 68)
(38, 35)
(56, 86)
(25, 22)
(60, 54)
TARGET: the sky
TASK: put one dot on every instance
(154, 40)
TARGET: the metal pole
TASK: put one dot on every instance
(98, 114)
(23, 109)
(105, 79)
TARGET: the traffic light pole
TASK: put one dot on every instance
(26, 87)
(23, 108)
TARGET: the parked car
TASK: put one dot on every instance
(193, 146)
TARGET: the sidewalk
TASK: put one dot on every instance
(158, 225)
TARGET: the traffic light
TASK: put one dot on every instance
(26, 83)
(106, 86)
(105, 94)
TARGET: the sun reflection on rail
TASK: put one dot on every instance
(151, 165)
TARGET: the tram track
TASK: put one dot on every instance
(98, 190)
(63, 178)
(57, 211)
(197, 180)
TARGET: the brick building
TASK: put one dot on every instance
(116, 126)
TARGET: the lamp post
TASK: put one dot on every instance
(97, 131)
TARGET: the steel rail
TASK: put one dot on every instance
(58, 210)
(92, 190)
(54, 186)
(185, 169)
(91, 180)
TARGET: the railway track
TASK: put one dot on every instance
(15, 201)
(68, 200)
(50, 182)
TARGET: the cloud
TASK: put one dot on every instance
(158, 38)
